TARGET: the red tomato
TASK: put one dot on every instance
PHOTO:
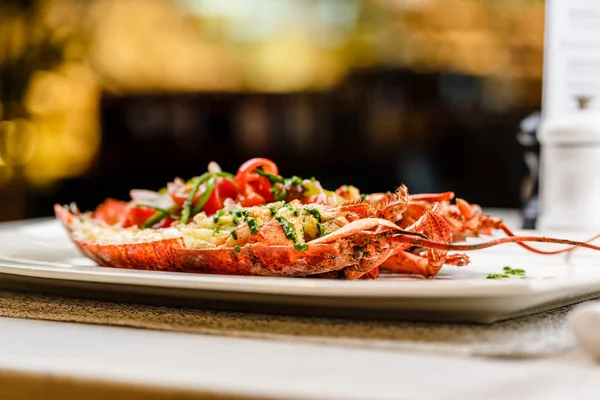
(252, 199)
(111, 211)
(348, 192)
(164, 223)
(245, 172)
(262, 186)
(224, 188)
(178, 192)
(137, 216)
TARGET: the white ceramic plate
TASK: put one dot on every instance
(40, 257)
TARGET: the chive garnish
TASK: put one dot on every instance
(234, 234)
(320, 229)
(187, 205)
(237, 249)
(301, 246)
(154, 219)
(219, 215)
(253, 225)
(210, 186)
(507, 272)
(272, 178)
(157, 208)
(516, 271)
(497, 276)
(280, 194)
(236, 216)
(315, 213)
(273, 210)
(290, 233)
(224, 174)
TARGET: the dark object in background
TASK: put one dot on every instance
(527, 137)
(378, 129)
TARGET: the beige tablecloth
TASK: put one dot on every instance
(544, 334)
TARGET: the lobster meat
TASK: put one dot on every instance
(258, 223)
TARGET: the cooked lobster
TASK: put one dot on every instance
(259, 223)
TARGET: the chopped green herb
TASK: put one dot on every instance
(253, 225)
(295, 180)
(301, 246)
(210, 186)
(224, 174)
(294, 212)
(236, 216)
(517, 271)
(237, 248)
(347, 189)
(279, 194)
(315, 213)
(363, 196)
(508, 273)
(187, 205)
(234, 234)
(219, 215)
(290, 233)
(154, 219)
(272, 178)
(162, 190)
(320, 229)
(245, 213)
(273, 210)
(216, 230)
(498, 276)
(157, 208)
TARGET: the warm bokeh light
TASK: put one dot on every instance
(62, 56)
(63, 105)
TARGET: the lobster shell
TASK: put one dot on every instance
(355, 250)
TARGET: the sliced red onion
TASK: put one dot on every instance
(148, 196)
(213, 167)
(144, 195)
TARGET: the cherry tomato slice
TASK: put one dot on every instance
(262, 186)
(245, 172)
(178, 192)
(224, 188)
(137, 216)
(253, 199)
(164, 223)
(111, 211)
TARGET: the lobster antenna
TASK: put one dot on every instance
(432, 244)
(547, 252)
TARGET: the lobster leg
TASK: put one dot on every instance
(436, 228)
(409, 263)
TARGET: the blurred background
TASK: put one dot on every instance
(101, 96)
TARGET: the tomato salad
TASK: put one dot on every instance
(256, 182)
